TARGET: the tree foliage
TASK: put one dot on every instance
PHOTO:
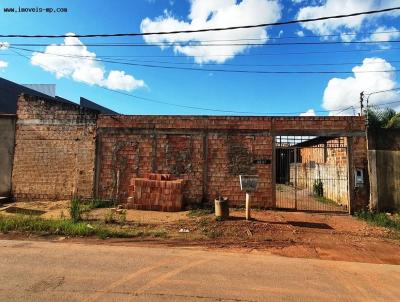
(386, 118)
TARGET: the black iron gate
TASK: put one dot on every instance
(311, 174)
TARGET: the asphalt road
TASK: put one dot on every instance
(54, 271)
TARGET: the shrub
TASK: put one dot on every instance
(109, 217)
(75, 210)
(318, 188)
(122, 217)
(99, 203)
(380, 219)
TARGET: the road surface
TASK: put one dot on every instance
(60, 271)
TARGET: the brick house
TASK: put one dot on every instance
(63, 149)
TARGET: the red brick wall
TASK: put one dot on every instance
(55, 150)
(333, 151)
(209, 152)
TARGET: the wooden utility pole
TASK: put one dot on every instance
(248, 214)
(362, 103)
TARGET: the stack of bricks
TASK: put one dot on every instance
(156, 192)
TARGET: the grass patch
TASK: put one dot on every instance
(62, 227)
(213, 233)
(380, 219)
(200, 212)
(79, 208)
(326, 201)
(97, 204)
(208, 228)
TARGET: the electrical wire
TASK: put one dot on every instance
(250, 54)
(217, 70)
(280, 37)
(219, 64)
(190, 44)
(151, 100)
(340, 110)
(209, 29)
(252, 65)
(382, 91)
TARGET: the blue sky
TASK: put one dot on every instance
(260, 93)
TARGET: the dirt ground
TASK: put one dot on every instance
(285, 199)
(291, 234)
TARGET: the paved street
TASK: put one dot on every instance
(55, 271)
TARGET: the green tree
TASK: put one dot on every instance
(387, 118)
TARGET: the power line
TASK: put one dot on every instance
(382, 91)
(372, 93)
(385, 104)
(340, 110)
(345, 109)
(330, 35)
(209, 29)
(216, 70)
(250, 54)
(255, 65)
(374, 105)
(263, 54)
(207, 64)
(280, 37)
(190, 44)
(192, 107)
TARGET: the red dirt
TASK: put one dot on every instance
(291, 234)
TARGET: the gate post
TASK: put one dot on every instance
(295, 177)
(350, 172)
(273, 171)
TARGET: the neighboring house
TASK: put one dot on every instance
(9, 93)
(92, 105)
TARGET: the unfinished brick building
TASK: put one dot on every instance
(63, 149)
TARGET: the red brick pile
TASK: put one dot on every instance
(155, 192)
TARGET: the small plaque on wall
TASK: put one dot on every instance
(262, 161)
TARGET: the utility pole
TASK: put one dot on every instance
(362, 103)
(367, 112)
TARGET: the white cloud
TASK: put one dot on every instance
(335, 7)
(72, 59)
(4, 45)
(210, 14)
(383, 33)
(300, 33)
(3, 64)
(309, 112)
(310, 2)
(342, 93)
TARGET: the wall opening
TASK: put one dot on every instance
(311, 173)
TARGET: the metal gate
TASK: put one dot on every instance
(311, 173)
